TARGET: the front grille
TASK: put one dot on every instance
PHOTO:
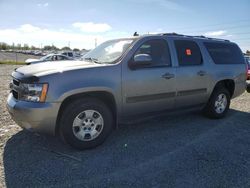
(15, 94)
(16, 82)
(14, 86)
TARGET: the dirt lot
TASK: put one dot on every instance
(186, 150)
(11, 56)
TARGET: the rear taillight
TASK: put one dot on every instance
(247, 67)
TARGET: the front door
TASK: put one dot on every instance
(151, 87)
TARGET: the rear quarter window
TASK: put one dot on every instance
(224, 53)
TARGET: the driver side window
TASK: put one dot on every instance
(158, 50)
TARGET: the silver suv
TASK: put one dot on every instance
(82, 101)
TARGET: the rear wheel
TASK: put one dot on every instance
(218, 104)
(86, 123)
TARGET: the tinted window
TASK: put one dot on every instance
(60, 57)
(224, 53)
(48, 58)
(158, 50)
(188, 53)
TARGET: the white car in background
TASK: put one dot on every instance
(50, 57)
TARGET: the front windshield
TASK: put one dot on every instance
(45, 57)
(108, 51)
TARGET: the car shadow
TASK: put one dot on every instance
(187, 150)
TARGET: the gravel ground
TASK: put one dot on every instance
(191, 151)
(11, 56)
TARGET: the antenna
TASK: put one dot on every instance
(135, 34)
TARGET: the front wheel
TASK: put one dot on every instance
(86, 123)
(218, 104)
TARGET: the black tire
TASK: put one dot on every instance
(210, 110)
(73, 110)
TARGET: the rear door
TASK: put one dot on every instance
(191, 74)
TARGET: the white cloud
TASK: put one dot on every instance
(90, 27)
(33, 35)
(215, 33)
(28, 28)
(43, 4)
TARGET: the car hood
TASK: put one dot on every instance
(31, 60)
(46, 68)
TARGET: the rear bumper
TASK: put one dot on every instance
(240, 88)
(40, 117)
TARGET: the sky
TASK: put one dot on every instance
(78, 23)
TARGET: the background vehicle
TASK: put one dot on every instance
(50, 57)
(133, 77)
(69, 54)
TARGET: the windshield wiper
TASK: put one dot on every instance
(92, 59)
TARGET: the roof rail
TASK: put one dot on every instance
(176, 34)
(218, 39)
(190, 36)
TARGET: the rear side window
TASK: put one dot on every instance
(188, 53)
(224, 53)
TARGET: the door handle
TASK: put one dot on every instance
(201, 73)
(168, 76)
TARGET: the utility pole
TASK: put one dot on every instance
(69, 44)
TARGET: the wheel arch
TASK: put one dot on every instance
(105, 96)
(229, 84)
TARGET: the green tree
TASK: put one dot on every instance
(76, 50)
(19, 46)
(3, 46)
(47, 47)
(66, 48)
(33, 48)
(26, 47)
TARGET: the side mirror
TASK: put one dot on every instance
(141, 60)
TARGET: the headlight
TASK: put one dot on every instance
(33, 92)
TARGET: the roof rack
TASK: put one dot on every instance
(190, 36)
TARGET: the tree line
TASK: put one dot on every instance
(5, 46)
